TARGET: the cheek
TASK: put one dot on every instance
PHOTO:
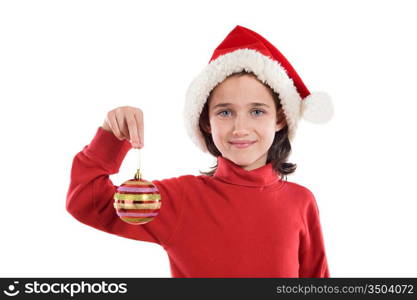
(218, 128)
(267, 131)
(219, 132)
(270, 138)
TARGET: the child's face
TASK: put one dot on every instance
(234, 117)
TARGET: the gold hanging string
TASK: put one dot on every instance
(138, 175)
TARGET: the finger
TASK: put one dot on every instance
(133, 132)
(120, 119)
(141, 128)
(113, 125)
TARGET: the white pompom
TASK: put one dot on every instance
(317, 107)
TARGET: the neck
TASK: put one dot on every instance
(230, 172)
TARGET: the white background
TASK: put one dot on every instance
(65, 64)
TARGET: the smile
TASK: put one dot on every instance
(242, 145)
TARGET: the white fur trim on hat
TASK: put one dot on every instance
(317, 107)
(266, 69)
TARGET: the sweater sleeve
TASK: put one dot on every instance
(90, 194)
(312, 256)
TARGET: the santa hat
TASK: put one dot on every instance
(244, 49)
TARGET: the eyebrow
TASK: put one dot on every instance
(250, 104)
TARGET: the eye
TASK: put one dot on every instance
(220, 112)
(259, 111)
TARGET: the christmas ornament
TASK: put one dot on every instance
(137, 201)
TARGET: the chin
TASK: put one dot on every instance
(246, 159)
(241, 161)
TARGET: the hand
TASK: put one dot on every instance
(126, 122)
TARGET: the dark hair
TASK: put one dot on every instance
(279, 151)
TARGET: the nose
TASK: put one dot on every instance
(240, 126)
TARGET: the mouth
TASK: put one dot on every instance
(242, 145)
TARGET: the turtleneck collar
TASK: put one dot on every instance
(230, 172)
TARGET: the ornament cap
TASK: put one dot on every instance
(138, 175)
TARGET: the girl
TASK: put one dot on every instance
(242, 219)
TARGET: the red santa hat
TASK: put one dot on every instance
(244, 49)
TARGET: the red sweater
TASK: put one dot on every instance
(237, 223)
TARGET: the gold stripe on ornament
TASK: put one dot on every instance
(138, 182)
(141, 197)
(137, 206)
(137, 219)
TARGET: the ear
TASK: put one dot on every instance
(206, 128)
(280, 125)
(281, 121)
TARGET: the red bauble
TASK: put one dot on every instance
(137, 201)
